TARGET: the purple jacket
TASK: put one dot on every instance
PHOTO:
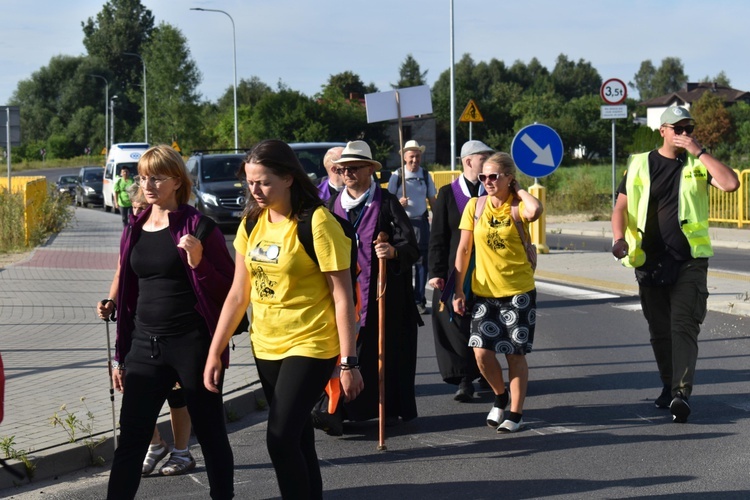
(211, 280)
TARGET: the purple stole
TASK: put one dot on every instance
(324, 189)
(366, 235)
(458, 193)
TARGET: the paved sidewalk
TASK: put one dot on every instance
(54, 347)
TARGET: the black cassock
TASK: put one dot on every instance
(401, 322)
(454, 356)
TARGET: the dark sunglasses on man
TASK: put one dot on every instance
(679, 129)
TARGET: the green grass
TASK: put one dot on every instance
(55, 214)
(78, 161)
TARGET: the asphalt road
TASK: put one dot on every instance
(592, 430)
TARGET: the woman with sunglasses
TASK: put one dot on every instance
(169, 288)
(503, 309)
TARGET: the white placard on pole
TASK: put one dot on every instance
(382, 106)
(614, 112)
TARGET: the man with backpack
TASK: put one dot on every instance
(414, 190)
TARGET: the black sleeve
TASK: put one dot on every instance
(403, 237)
(440, 236)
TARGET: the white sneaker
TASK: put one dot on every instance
(510, 426)
(495, 416)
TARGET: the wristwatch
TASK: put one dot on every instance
(116, 365)
(349, 361)
(703, 150)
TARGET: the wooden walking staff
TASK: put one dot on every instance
(382, 278)
(401, 144)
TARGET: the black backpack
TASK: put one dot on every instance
(205, 226)
(304, 233)
(399, 179)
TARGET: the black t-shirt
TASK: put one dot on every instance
(662, 234)
(166, 301)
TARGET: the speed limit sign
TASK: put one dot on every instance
(613, 91)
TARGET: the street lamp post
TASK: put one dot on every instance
(112, 116)
(106, 112)
(234, 45)
(145, 93)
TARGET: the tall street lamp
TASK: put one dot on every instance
(106, 112)
(234, 45)
(145, 93)
(112, 115)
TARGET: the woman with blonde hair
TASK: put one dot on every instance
(503, 310)
(169, 289)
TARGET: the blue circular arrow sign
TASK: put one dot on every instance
(537, 150)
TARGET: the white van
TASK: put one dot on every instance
(125, 154)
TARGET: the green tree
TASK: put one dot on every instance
(249, 92)
(720, 79)
(121, 26)
(644, 80)
(572, 79)
(714, 123)
(410, 74)
(173, 79)
(347, 84)
(670, 77)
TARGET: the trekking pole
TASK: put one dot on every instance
(382, 279)
(109, 370)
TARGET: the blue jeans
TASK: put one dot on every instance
(421, 228)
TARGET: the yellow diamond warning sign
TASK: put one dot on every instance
(471, 113)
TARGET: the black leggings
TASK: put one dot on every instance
(148, 381)
(292, 387)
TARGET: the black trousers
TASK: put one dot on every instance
(153, 367)
(292, 386)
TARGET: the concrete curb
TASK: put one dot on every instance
(67, 458)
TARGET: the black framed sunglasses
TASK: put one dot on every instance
(679, 129)
(493, 177)
(351, 170)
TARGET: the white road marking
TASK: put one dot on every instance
(573, 293)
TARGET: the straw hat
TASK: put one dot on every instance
(413, 146)
(358, 151)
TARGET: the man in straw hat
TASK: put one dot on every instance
(451, 331)
(371, 210)
(660, 228)
(414, 190)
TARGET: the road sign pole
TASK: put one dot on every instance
(470, 124)
(614, 166)
(7, 143)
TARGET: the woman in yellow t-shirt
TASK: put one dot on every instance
(504, 306)
(303, 313)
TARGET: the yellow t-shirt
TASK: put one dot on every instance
(502, 268)
(293, 310)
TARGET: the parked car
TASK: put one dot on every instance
(122, 155)
(66, 185)
(218, 181)
(218, 190)
(89, 186)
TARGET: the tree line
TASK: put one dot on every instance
(62, 103)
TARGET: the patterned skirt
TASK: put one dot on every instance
(504, 325)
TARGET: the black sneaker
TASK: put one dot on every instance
(680, 408)
(664, 399)
(465, 392)
(331, 424)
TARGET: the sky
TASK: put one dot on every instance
(302, 42)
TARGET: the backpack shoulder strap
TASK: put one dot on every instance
(305, 235)
(517, 219)
(481, 202)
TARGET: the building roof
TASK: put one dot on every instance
(693, 91)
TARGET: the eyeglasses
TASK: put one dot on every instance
(351, 170)
(679, 129)
(144, 181)
(492, 177)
